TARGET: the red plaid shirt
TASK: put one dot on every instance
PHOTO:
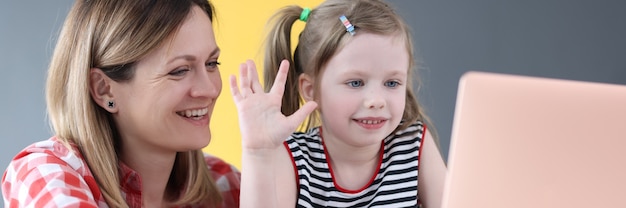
(47, 174)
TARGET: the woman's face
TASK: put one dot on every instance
(167, 105)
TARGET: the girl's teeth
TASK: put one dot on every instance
(370, 122)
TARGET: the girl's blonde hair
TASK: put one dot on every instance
(322, 37)
(113, 35)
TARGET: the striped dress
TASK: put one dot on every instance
(394, 185)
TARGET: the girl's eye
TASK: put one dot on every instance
(392, 84)
(212, 64)
(355, 83)
(179, 72)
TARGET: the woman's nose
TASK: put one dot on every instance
(207, 84)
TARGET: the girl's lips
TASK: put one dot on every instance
(370, 124)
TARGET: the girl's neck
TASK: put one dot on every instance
(349, 155)
(352, 167)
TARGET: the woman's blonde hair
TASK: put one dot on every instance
(113, 35)
(322, 37)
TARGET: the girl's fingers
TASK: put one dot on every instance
(301, 114)
(254, 77)
(234, 89)
(245, 80)
(281, 78)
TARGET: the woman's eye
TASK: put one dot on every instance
(355, 83)
(212, 64)
(392, 84)
(179, 72)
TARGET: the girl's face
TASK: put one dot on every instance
(167, 105)
(363, 89)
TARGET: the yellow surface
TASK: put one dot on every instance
(240, 31)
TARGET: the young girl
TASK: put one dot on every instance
(366, 141)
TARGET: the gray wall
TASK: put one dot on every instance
(567, 39)
(580, 40)
(28, 31)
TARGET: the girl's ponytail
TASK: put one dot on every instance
(278, 48)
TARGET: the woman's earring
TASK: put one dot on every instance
(111, 104)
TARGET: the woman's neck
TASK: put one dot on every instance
(154, 169)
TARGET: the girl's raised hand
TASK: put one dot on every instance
(262, 124)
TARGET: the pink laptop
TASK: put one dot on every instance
(521, 141)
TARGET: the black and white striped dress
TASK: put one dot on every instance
(394, 185)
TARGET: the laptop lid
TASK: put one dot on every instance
(520, 141)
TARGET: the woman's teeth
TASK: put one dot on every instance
(193, 113)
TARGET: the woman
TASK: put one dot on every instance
(130, 91)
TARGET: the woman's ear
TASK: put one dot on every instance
(100, 90)
(305, 84)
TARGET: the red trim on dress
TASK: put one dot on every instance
(293, 162)
(419, 154)
(332, 173)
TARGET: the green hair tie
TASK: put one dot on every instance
(304, 16)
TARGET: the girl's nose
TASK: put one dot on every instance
(375, 100)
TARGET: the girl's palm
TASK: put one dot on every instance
(262, 124)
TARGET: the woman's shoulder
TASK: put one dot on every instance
(47, 167)
(52, 151)
(218, 165)
(227, 178)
